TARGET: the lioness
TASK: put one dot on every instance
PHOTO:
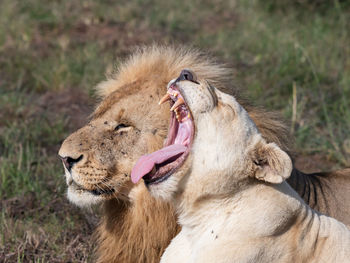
(128, 123)
(228, 186)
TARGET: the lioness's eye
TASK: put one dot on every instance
(120, 126)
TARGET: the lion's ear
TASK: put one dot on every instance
(271, 163)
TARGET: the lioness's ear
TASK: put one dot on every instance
(271, 163)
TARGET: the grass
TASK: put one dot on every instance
(52, 54)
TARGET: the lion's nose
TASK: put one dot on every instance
(68, 162)
(187, 75)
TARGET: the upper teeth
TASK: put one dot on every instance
(164, 99)
(177, 103)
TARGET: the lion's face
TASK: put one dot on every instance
(223, 149)
(98, 157)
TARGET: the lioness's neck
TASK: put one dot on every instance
(241, 204)
(135, 231)
(271, 217)
(196, 193)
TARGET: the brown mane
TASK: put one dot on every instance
(137, 232)
(164, 63)
(140, 230)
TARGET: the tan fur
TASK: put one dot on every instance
(131, 95)
(231, 196)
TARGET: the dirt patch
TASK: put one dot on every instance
(18, 206)
(228, 19)
(72, 104)
(111, 35)
(314, 163)
(108, 35)
(28, 218)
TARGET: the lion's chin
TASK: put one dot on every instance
(83, 198)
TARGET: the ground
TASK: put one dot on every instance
(288, 56)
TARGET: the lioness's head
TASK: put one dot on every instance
(212, 144)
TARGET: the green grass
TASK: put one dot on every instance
(48, 49)
(310, 50)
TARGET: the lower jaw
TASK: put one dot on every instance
(167, 174)
(158, 179)
(83, 198)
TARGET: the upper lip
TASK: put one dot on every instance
(96, 191)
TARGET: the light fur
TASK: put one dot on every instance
(233, 202)
(130, 95)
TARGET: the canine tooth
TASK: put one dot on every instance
(164, 99)
(179, 102)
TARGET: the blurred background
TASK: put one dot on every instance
(290, 56)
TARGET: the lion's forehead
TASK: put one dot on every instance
(129, 101)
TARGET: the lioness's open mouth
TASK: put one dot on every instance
(158, 166)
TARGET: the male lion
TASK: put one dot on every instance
(128, 123)
(228, 187)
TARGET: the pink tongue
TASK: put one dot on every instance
(146, 163)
